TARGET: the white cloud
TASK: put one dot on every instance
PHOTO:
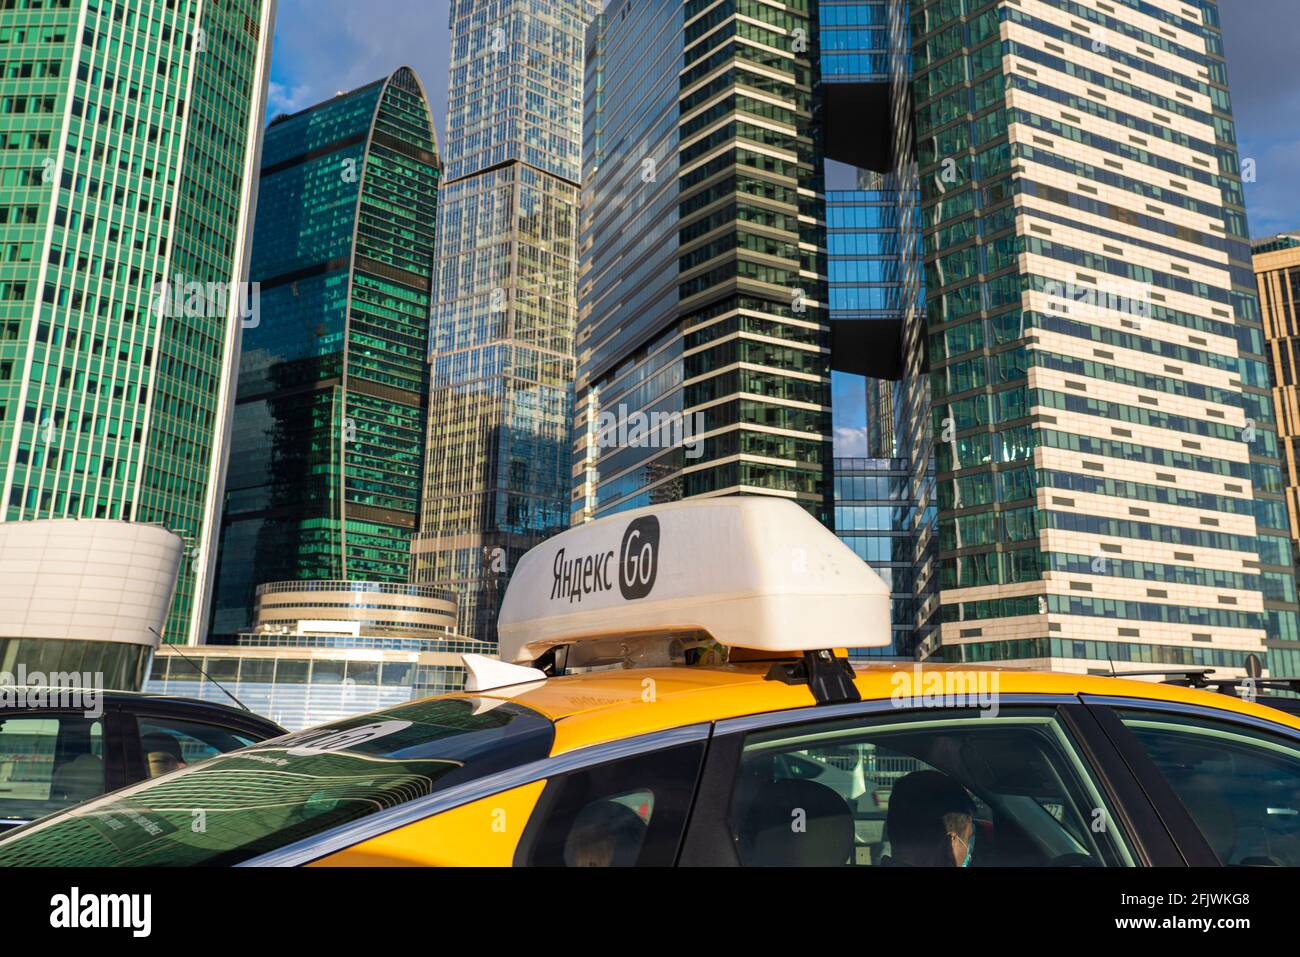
(282, 99)
(850, 443)
(326, 46)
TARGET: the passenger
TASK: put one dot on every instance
(605, 834)
(930, 822)
(162, 754)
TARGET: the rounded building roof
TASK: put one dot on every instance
(88, 580)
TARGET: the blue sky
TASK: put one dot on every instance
(1262, 39)
(326, 46)
(323, 47)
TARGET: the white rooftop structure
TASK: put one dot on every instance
(87, 580)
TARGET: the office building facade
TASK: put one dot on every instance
(1277, 272)
(746, 266)
(1105, 447)
(329, 421)
(863, 267)
(873, 270)
(1080, 395)
(871, 517)
(704, 347)
(866, 259)
(129, 137)
(497, 459)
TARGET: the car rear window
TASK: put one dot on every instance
(48, 761)
(239, 805)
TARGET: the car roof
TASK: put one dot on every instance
(601, 706)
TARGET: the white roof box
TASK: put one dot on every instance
(749, 571)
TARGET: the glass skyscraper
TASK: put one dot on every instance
(1104, 441)
(871, 517)
(497, 468)
(871, 269)
(705, 343)
(1071, 321)
(1277, 273)
(129, 137)
(329, 422)
(743, 263)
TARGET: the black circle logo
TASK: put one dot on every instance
(638, 558)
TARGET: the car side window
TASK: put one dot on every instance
(913, 790)
(48, 762)
(623, 813)
(169, 743)
(1241, 785)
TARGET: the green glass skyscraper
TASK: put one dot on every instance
(329, 422)
(128, 153)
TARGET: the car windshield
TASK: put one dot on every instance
(239, 805)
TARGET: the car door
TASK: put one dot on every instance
(623, 803)
(1227, 784)
(482, 833)
(629, 810)
(1035, 783)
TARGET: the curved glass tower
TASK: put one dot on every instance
(329, 421)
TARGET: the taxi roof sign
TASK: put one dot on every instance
(753, 572)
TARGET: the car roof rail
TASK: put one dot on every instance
(1191, 676)
(1199, 677)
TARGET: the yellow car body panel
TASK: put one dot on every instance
(599, 707)
(483, 833)
(603, 706)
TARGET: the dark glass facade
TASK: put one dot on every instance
(739, 250)
(328, 443)
(122, 666)
(703, 295)
(864, 256)
(871, 517)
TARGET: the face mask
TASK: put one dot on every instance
(970, 849)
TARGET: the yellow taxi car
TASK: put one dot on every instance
(675, 690)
